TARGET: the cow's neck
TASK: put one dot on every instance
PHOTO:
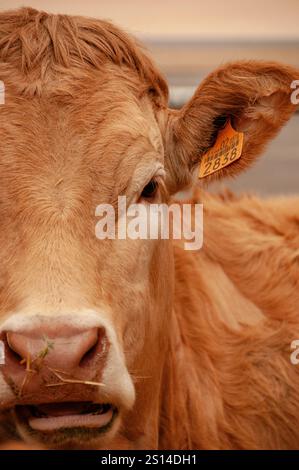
(189, 392)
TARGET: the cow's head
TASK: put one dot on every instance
(86, 323)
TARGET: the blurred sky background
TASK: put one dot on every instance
(189, 38)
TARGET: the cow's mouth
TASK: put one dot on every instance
(49, 417)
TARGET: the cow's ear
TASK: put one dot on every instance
(254, 98)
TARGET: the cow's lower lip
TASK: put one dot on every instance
(54, 416)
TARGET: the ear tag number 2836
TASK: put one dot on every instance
(226, 150)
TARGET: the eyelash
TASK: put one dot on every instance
(150, 190)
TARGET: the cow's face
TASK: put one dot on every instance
(86, 322)
(82, 319)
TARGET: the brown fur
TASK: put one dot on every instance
(206, 335)
(40, 46)
(229, 365)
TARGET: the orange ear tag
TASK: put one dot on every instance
(226, 150)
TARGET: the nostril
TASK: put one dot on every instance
(96, 347)
(88, 356)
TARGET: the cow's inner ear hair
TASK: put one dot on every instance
(220, 121)
(218, 124)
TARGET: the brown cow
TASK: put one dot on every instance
(138, 343)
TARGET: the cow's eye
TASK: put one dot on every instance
(150, 190)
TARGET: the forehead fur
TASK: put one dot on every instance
(39, 46)
(76, 103)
